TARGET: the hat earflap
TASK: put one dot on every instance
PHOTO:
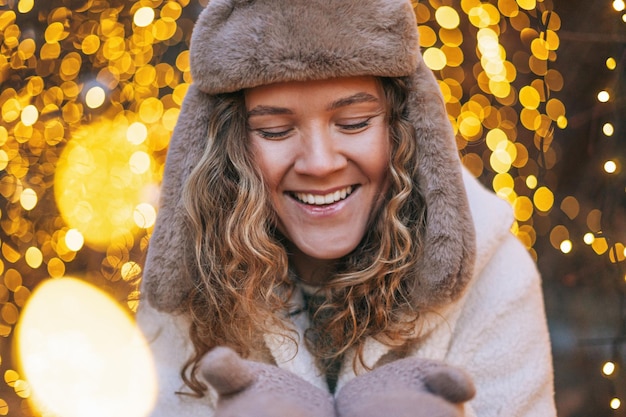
(449, 249)
(170, 265)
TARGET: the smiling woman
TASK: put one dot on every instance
(315, 217)
(323, 151)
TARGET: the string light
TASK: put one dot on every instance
(144, 16)
(604, 96)
(611, 63)
(609, 368)
(92, 154)
(615, 403)
(608, 129)
(610, 167)
(566, 246)
(95, 97)
(604, 243)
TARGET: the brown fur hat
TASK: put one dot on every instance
(239, 44)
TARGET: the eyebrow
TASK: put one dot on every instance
(353, 99)
(342, 102)
(268, 111)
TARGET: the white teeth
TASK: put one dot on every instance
(320, 200)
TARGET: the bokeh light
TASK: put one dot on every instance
(144, 16)
(608, 129)
(604, 96)
(610, 167)
(100, 178)
(95, 97)
(615, 403)
(76, 368)
(88, 106)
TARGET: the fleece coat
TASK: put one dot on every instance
(476, 283)
(496, 332)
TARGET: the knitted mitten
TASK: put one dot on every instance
(409, 387)
(252, 389)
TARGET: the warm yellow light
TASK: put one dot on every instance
(615, 403)
(74, 240)
(447, 17)
(566, 246)
(619, 5)
(529, 97)
(543, 199)
(435, 59)
(604, 96)
(494, 138)
(29, 116)
(144, 215)
(143, 16)
(95, 188)
(611, 63)
(25, 6)
(28, 199)
(522, 208)
(95, 97)
(610, 167)
(527, 4)
(139, 162)
(34, 258)
(130, 270)
(137, 133)
(608, 368)
(624, 18)
(82, 354)
(589, 238)
(531, 182)
(608, 129)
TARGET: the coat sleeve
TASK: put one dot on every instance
(167, 337)
(501, 338)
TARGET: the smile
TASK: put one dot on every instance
(322, 200)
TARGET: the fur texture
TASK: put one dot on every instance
(246, 43)
(243, 43)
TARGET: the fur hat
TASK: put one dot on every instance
(239, 44)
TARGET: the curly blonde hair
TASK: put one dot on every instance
(244, 268)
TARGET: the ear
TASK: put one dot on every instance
(449, 247)
(453, 384)
(170, 266)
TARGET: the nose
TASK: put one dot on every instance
(319, 155)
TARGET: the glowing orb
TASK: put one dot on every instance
(100, 179)
(82, 354)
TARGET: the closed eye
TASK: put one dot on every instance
(356, 126)
(273, 134)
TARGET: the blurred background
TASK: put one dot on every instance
(90, 91)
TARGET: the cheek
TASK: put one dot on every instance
(267, 160)
(377, 159)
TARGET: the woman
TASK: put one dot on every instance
(315, 215)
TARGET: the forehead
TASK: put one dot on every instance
(332, 93)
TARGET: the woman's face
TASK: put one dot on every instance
(323, 149)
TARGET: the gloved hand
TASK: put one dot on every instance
(252, 389)
(409, 387)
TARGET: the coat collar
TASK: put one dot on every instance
(492, 217)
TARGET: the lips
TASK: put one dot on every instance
(323, 199)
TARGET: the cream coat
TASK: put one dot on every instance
(496, 331)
